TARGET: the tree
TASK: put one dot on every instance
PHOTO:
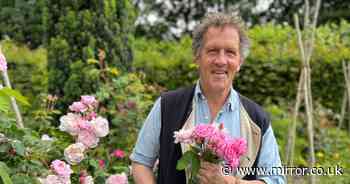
(171, 19)
(23, 21)
(77, 32)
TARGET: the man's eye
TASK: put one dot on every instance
(231, 52)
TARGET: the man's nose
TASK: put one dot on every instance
(221, 58)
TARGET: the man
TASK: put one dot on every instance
(220, 46)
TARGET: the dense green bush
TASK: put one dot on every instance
(24, 21)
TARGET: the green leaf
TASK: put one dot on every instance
(19, 147)
(196, 163)
(94, 163)
(4, 103)
(13, 93)
(188, 158)
(4, 173)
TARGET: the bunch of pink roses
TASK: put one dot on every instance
(84, 124)
(213, 141)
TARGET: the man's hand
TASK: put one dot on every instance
(211, 174)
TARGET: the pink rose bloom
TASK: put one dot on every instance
(183, 136)
(91, 116)
(203, 131)
(217, 137)
(241, 145)
(117, 179)
(86, 126)
(74, 153)
(70, 123)
(233, 150)
(78, 107)
(88, 138)
(86, 180)
(3, 63)
(61, 168)
(101, 163)
(88, 100)
(54, 179)
(118, 153)
(101, 127)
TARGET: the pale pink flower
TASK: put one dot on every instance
(88, 138)
(70, 123)
(118, 153)
(183, 136)
(74, 153)
(88, 100)
(54, 179)
(101, 127)
(117, 179)
(78, 107)
(3, 63)
(91, 116)
(86, 126)
(61, 168)
(86, 180)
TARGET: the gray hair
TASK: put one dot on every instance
(219, 20)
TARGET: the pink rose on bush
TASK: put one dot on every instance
(91, 116)
(70, 123)
(54, 179)
(117, 179)
(3, 63)
(86, 180)
(118, 153)
(78, 107)
(74, 153)
(100, 126)
(88, 100)
(88, 138)
(61, 168)
(101, 163)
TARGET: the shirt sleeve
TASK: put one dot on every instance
(269, 158)
(146, 149)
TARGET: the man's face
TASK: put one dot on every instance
(219, 58)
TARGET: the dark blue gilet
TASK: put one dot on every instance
(175, 109)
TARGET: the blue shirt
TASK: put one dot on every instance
(146, 150)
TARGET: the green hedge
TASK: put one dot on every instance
(269, 74)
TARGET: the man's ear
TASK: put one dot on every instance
(196, 59)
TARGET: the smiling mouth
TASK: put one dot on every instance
(219, 73)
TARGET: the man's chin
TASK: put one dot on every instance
(219, 87)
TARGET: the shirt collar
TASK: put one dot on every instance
(230, 104)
